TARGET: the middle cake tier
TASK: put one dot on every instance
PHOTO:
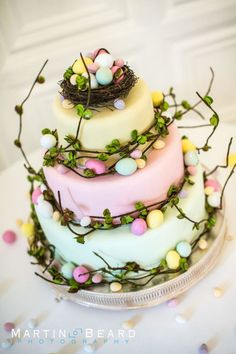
(119, 193)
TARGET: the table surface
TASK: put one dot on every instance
(24, 296)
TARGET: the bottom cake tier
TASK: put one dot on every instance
(119, 246)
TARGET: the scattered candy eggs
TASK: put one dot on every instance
(27, 229)
(217, 292)
(129, 324)
(203, 349)
(104, 60)
(97, 278)
(93, 81)
(47, 141)
(154, 218)
(56, 215)
(183, 193)
(119, 104)
(92, 68)
(9, 236)
(212, 183)
(97, 166)
(187, 145)
(159, 144)
(180, 319)
(232, 160)
(136, 154)
(138, 227)
(81, 274)
(157, 98)
(126, 166)
(67, 270)
(141, 163)
(89, 348)
(45, 209)
(85, 221)
(191, 158)
(173, 259)
(32, 323)
(184, 248)
(36, 193)
(73, 79)
(78, 66)
(192, 170)
(172, 302)
(115, 286)
(202, 244)
(214, 199)
(62, 169)
(67, 104)
(6, 343)
(119, 62)
(104, 76)
(8, 326)
(118, 74)
(208, 190)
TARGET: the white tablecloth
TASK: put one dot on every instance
(24, 296)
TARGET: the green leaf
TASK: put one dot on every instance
(142, 139)
(172, 190)
(89, 173)
(103, 156)
(80, 239)
(180, 216)
(139, 205)
(214, 120)
(208, 100)
(68, 73)
(186, 104)
(82, 82)
(134, 135)
(178, 115)
(87, 114)
(164, 106)
(79, 109)
(126, 219)
(46, 131)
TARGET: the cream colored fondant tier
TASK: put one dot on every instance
(107, 125)
(119, 246)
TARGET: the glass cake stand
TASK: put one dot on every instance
(161, 288)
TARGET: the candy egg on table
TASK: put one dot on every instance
(141, 163)
(97, 166)
(159, 144)
(45, 209)
(214, 199)
(8, 326)
(104, 60)
(119, 62)
(154, 218)
(157, 98)
(93, 81)
(67, 104)
(173, 259)
(47, 141)
(118, 74)
(191, 158)
(104, 76)
(73, 79)
(78, 66)
(67, 270)
(202, 244)
(85, 221)
(187, 145)
(184, 249)
(9, 236)
(212, 183)
(119, 104)
(81, 274)
(136, 154)
(138, 227)
(126, 166)
(92, 68)
(27, 229)
(36, 193)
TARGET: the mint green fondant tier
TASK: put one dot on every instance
(119, 245)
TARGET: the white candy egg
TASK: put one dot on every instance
(104, 60)
(93, 80)
(214, 199)
(73, 79)
(85, 221)
(45, 209)
(47, 141)
(184, 248)
(191, 158)
(67, 104)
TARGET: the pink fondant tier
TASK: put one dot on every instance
(119, 193)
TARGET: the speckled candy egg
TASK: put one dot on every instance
(184, 249)
(93, 81)
(78, 66)
(104, 60)
(138, 227)
(9, 236)
(187, 145)
(155, 218)
(191, 158)
(97, 166)
(119, 62)
(47, 141)
(36, 193)
(157, 98)
(214, 199)
(67, 270)
(104, 76)
(118, 74)
(80, 275)
(126, 166)
(45, 209)
(173, 259)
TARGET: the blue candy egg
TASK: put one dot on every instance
(184, 249)
(67, 270)
(104, 76)
(191, 158)
(126, 166)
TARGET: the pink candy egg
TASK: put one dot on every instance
(97, 166)
(212, 183)
(36, 193)
(136, 154)
(192, 170)
(97, 278)
(119, 62)
(138, 226)
(118, 74)
(92, 68)
(9, 236)
(98, 51)
(8, 326)
(62, 169)
(80, 275)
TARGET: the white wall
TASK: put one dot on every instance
(169, 43)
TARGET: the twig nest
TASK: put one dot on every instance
(67, 270)
(119, 104)
(208, 190)
(56, 215)
(27, 229)
(181, 319)
(115, 286)
(7, 343)
(9, 236)
(93, 80)
(104, 76)
(81, 274)
(136, 154)
(217, 292)
(212, 183)
(129, 324)
(173, 259)
(141, 163)
(203, 349)
(85, 221)
(73, 79)
(157, 98)
(214, 199)
(191, 158)
(97, 278)
(67, 104)
(35, 195)
(126, 166)
(187, 145)
(119, 62)
(97, 166)
(92, 68)
(138, 227)
(154, 219)
(202, 244)
(45, 209)
(184, 249)
(8, 326)
(104, 60)
(32, 323)
(78, 66)
(159, 144)
(47, 141)
(192, 170)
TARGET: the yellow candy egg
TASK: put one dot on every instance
(154, 219)
(173, 259)
(232, 160)
(187, 145)
(141, 163)
(19, 222)
(56, 215)
(78, 66)
(27, 229)
(157, 98)
(209, 190)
